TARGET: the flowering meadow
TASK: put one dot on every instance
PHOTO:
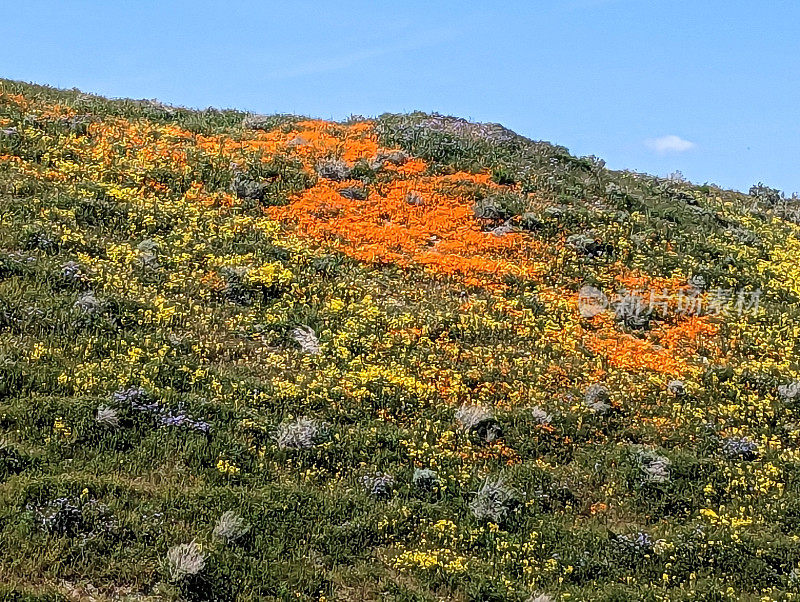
(254, 357)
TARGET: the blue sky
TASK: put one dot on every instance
(707, 87)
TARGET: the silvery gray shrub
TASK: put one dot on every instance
(491, 208)
(588, 244)
(581, 243)
(230, 527)
(407, 127)
(159, 107)
(148, 255)
(596, 397)
(555, 211)
(307, 339)
(297, 141)
(397, 157)
(494, 500)
(540, 415)
(425, 479)
(185, 560)
(245, 187)
(88, 303)
(302, 433)
(107, 417)
(148, 245)
(379, 484)
(471, 415)
(502, 229)
(765, 194)
(676, 387)
(744, 236)
(479, 420)
(789, 391)
(333, 169)
(71, 272)
(257, 122)
(654, 467)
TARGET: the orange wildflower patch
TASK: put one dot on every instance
(495, 451)
(412, 167)
(213, 281)
(643, 282)
(17, 99)
(57, 112)
(411, 221)
(136, 140)
(667, 353)
(310, 140)
(687, 333)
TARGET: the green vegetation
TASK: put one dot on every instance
(273, 358)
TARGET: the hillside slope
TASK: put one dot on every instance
(405, 358)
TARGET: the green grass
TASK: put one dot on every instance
(88, 509)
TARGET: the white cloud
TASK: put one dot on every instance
(669, 144)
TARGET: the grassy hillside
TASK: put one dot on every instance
(406, 358)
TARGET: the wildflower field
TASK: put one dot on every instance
(405, 358)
